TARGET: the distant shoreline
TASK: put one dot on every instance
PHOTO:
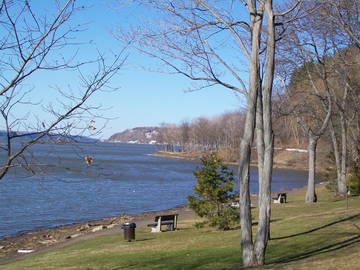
(278, 164)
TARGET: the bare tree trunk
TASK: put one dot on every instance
(340, 154)
(246, 241)
(313, 137)
(260, 148)
(336, 153)
(342, 188)
(260, 241)
(267, 142)
(259, 107)
(310, 193)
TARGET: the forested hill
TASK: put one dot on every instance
(137, 135)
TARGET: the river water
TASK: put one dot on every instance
(122, 179)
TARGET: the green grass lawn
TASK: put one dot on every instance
(324, 235)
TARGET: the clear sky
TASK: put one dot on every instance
(144, 98)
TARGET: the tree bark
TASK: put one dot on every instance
(336, 153)
(263, 231)
(247, 246)
(310, 193)
(342, 188)
(259, 112)
(340, 153)
(246, 241)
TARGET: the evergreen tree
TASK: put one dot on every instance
(214, 192)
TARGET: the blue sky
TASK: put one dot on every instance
(144, 98)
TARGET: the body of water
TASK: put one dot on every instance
(122, 179)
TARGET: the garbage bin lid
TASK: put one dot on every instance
(128, 225)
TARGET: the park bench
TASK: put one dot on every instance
(281, 198)
(165, 220)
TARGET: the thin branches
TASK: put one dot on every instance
(33, 41)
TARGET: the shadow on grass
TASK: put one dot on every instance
(325, 249)
(143, 239)
(318, 228)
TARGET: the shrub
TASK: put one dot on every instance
(214, 191)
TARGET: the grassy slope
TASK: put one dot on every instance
(319, 236)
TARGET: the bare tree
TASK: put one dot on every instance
(170, 136)
(184, 135)
(311, 108)
(34, 42)
(341, 17)
(340, 96)
(318, 50)
(344, 14)
(218, 43)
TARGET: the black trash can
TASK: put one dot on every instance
(129, 231)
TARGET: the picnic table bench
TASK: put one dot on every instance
(281, 198)
(165, 220)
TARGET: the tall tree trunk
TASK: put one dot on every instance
(259, 112)
(310, 193)
(342, 188)
(247, 246)
(260, 244)
(336, 153)
(260, 147)
(340, 154)
(264, 203)
(246, 241)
